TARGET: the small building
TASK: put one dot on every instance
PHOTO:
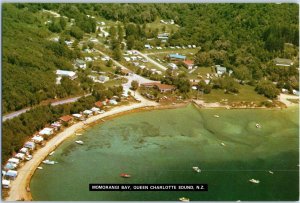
(127, 59)
(165, 88)
(99, 104)
(14, 161)
(20, 156)
(10, 166)
(149, 84)
(133, 58)
(103, 79)
(46, 131)
(113, 102)
(173, 66)
(5, 183)
(148, 46)
(66, 119)
(64, 73)
(189, 64)
(11, 174)
(78, 116)
(56, 126)
(30, 145)
(80, 64)
(95, 110)
(24, 150)
(163, 36)
(89, 59)
(88, 112)
(176, 57)
(283, 62)
(220, 70)
(37, 139)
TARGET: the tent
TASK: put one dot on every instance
(14, 160)
(5, 183)
(20, 156)
(11, 174)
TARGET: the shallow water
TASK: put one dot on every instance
(162, 146)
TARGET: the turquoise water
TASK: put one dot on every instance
(162, 147)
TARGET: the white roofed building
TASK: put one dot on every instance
(64, 73)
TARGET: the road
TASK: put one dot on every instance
(17, 113)
(152, 61)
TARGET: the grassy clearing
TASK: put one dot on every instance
(246, 93)
(160, 26)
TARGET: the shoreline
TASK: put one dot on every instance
(18, 187)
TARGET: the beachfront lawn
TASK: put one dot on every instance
(246, 93)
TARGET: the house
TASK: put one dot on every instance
(176, 57)
(20, 156)
(14, 161)
(80, 64)
(148, 46)
(89, 59)
(220, 70)
(10, 166)
(37, 139)
(105, 58)
(99, 104)
(64, 73)
(24, 150)
(30, 145)
(11, 174)
(5, 183)
(78, 116)
(172, 65)
(56, 126)
(165, 88)
(88, 112)
(113, 102)
(283, 62)
(46, 131)
(189, 64)
(103, 79)
(133, 58)
(66, 119)
(95, 110)
(127, 59)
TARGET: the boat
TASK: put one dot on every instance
(271, 172)
(125, 175)
(49, 162)
(28, 158)
(40, 167)
(254, 181)
(51, 153)
(223, 144)
(78, 134)
(257, 125)
(79, 142)
(184, 199)
(197, 169)
(216, 116)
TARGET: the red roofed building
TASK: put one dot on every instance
(189, 64)
(99, 104)
(149, 84)
(66, 119)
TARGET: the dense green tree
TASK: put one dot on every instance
(267, 88)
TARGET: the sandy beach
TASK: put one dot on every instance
(19, 185)
(284, 99)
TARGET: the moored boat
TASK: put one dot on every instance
(184, 199)
(257, 125)
(216, 116)
(254, 181)
(125, 175)
(79, 142)
(48, 162)
(271, 172)
(28, 157)
(51, 153)
(223, 144)
(40, 167)
(197, 169)
(78, 134)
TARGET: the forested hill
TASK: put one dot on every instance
(238, 36)
(29, 60)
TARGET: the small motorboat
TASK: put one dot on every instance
(223, 144)
(28, 157)
(271, 172)
(254, 181)
(48, 162)
(79, 142)
(257, 125)
(40, 167)
(78, 134)
(51, 153)
(216, 116)
(184, 199)
(197, 169)
(125, 175)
